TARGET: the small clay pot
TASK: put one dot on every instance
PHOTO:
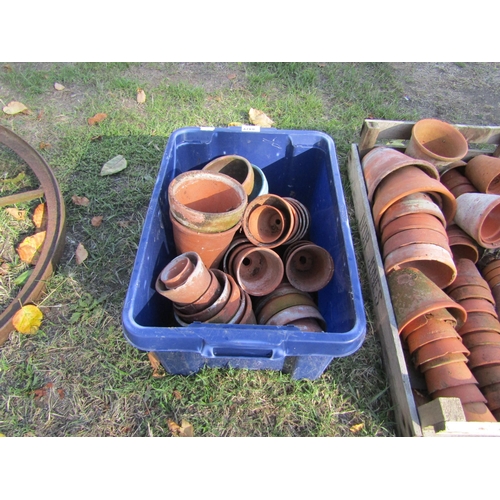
(481, 338)
(414, 236)
(484, 355)
(175, 274)
(479, 322)
(457, 183)
(449, 375)
(484, 172)
(282, 289)
(478, 214)
(382, 161)
(437, 142)
(471, 292)
(295, 313)
(302, 220)
(491, 269)
(231, 307)
(414, 295)
(430, 332)
(447, 359)
(492, 394)
(306, 325)
(277, 304)
(412, 221)
(237, 167)
(479, 305)
(487, 375)
(248, 316)
(266, 224)
(206, 202)
(477, 412)
(207, 299)
(462, 245)
(439, 315)
(437, 349)
(467, 393)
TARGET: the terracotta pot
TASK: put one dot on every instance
(417, 203)
(450, 375)
(260, 184)
(277, 304)
(430, 332)
(457, 183)
(415, 236)
(308, 266)
(275, 202)
(433, 261)
(231, 307)
(484, 172)
(194, 286)
(491, 269)
(177, 272)
(215, 307)
(440, 315)
(248, 316)
(467, 274)
(456, 164)
(479, 306)
(477, 412)
(471, 292)
(495, 291)
(467, 393)
(461, 244)
(481, 338)
(297, 312)
(207, 299)
(281, 290)
(437, 142)
(478, 322)
(266, 224)
(412, 221)
(438, 349)
(406, 181)
(484, 355)
(206, 202)
(479, 216)
(237, 167)
(492, 394)
(238, 240)
(306, 325)
(487, 375)
(303, 220)
(414, 295)
(257, 270)
(494, 281)
(447, 359)
(382, 161)
(211, 247)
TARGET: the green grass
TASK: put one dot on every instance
(102, 386)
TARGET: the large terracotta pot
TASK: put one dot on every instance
(382, 161)
(206, 202)
(437, 142)
(414, 295)
(237, 167)
(478, 214)
(457, 183)
(406, 181)
(484, 172)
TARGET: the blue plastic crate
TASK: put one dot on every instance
(297, 163)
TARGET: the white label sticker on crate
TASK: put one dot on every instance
(207, 128)
(250, 128)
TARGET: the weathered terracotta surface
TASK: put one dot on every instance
(484, 173)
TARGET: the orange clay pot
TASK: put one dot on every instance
(237, 167)
(484, 172)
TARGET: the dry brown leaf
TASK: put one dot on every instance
(232, 76)
(177, 395)
(158, 370)
(28, 319)
(29, 249)
(141, 96)
(259, 118)
(16, 213)
(45, 145)
(7, 68)
(183, 430)
(124, 223)
(97, 220)
(357, 428)
(40, 115)
(40, 216)
(97, 118)
(80, 200)
(81, 254)
(59, 86)
(14, 107)
(173, 427)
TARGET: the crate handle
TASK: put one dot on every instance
(242, 352)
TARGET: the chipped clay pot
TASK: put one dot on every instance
(450, 375)
(382, 161)
(437, 349)
(484, 173)
(237, 167)
(433, 330)
(437, 142)
(478, 214)
(206, 202)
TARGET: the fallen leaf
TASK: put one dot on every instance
(45, 145)
(7, 67)
(97, 118)
(97, 220)
(235, 124)
(141, 96)
(59, 86)
(14, 107)
(29, 249)
(61, 393)
(357, 428)
(177, 395)
(28, 319)
(80, 200)
(259, 118)
(23, 278)
(158, 370)
(232, 76)
(321, 65)
(113, 166)
(40, 216)
(40, 115)
(183, 430)
(124, 223)
(173, 427)
(81, 254)
(16, 213)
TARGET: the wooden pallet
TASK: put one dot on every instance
(443, 416)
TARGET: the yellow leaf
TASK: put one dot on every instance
(259, 118)
(40, 216)
(187, 429)
(81, 254)
(27, 319)
(29, 249)
(235, 124)
(16, 213)
(14, 107)
(59, 86)
(141, 96)
(357, 428)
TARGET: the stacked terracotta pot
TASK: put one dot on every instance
(428, 320)
(491, 273)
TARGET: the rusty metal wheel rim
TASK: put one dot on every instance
(56, 228)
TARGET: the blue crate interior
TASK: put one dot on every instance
(299, 164)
